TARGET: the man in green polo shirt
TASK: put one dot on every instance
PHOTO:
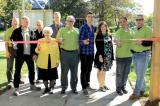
(123, 55)
(68, 38)
(10, 52)
(141, 55)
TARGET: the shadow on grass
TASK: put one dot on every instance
(3, 87)
(2, 57)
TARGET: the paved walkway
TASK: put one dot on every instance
(33, 98)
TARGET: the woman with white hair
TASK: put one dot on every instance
(48, 59)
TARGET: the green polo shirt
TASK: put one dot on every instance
(144, 32)
(123, 51)
(8, 34)
(71, 38)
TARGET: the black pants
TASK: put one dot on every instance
(18, 65)
(86, 67)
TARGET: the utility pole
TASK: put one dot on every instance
(23, 8)
(155, 69)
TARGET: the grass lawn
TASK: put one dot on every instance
(132, 78)
(3, 65)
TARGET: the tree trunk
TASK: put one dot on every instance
(155, 69)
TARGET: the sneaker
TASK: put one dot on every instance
(16, 92)
(10, 85)
(106, 88)
(102, 89)
(33, 87)
(134, 97)
(85, 92)
(89, 88)
(142, 93)
(75, 91)
(119, 92)
(51, 90)
(21, 82)
(37, 81)
(63, 91)
(124, 91)
(47, 90)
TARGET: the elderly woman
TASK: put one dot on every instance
(48, 59)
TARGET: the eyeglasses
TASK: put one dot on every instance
(46, 32)
(69, 21)
(139, 19)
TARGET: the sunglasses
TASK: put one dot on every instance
(139, 19)
(69, 20)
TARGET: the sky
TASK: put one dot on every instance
(148, 6)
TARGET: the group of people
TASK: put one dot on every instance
(66, 45)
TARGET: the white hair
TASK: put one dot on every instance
(71, 17)
(48, 29)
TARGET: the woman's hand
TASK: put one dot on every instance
(101, 58)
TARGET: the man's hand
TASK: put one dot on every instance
(8, 55)
(35, 57)
(138, 42)
(86, 42)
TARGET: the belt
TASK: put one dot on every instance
(139, 52)
(68, 50)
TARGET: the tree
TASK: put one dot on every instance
(111, 10)
(11, 5)
(69, 7)
(2, 4)
(149, 20)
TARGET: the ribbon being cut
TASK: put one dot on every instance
(156, 38)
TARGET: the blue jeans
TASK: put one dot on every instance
(140, 61)
(122, 70)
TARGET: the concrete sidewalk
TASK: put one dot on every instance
(108, 98)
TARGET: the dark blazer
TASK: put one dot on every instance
(17, 36)
(54, 31)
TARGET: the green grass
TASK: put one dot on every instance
(3, 68)
(132, 78)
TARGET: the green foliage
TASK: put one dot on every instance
(8, 8)
(111, 10)
(69, 7)
(149, 20)
(2, 4)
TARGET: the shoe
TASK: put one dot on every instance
(89, 88)
(85, 92)
(106, 88)
(142, 93)
(37, 81)
(33, 87)
(124, 91)
(10, 85)
(102, 89)
(134, 97)
(51, 90)
(75, 91)
(16, 92)
(47, 90)
(21, 82)
(119, 92)
(63, 91)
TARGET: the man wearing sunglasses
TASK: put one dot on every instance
(141, 55)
